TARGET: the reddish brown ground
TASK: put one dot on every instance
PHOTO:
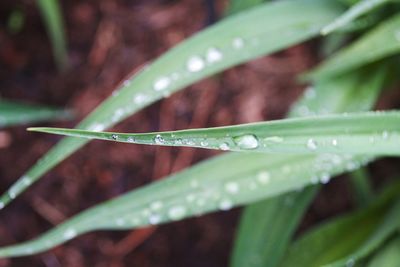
(107, 41)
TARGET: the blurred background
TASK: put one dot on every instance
(108, 41)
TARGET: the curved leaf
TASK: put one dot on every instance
(338, 239)
(13, 113)
(387, 256)
(357, 10)
(235, 40)
(207, 187)
(380, 42)
(53, 20)
(373, 133)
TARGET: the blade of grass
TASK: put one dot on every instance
(372, 133)
(236, 39)
(265, 237)
(236, 6)
(13, 113)
(386, 228)
(266, 228)
(206, 187)
(357, 10)
(388, 255)
(380, 42)
(337, 238)
(362, 187)
(53, 20)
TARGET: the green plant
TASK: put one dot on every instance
(312, 150)
(13, 113)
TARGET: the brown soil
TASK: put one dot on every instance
(107, 40)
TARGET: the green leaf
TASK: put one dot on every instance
(387, 256)
(12, 113)
(389, 226)
(230, 42)
(337, 239)
(53, 19)
(357, 10)
(362, 188)
(266, 228)
(206, 187)
(262, 240)
(372, 133)
(236, 6)
(382, 41)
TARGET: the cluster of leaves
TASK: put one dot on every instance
(337, 135)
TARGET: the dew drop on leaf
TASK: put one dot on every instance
(224, 146)
(247, 141)
(161, 83)
(177, 212)
(158, 139)
(311, 144)
(225, 204)
(232, 187)
(195, 64)
(213, 55)
(238, 43)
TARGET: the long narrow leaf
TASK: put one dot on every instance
(237, 39)
(381, 42)
(335, 239)
(13, 113)
(387, 256)
(206, 187)
(389, 226)
(354, 12)
(54, 23)
(373, 133)
(236, 6)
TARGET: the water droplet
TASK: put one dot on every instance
(159, 139)
(156, 205)
(325, 177)
(264, 177)
(224, 146)
(161, 83)
(311, 144)
(204, 143)
(238, 43)
(232, 187)
(114, 137)
(190, 198)
(213, 55)
(334, 142)
(225, 204)
(247, 141)
(177, 213)
(69, 233)
(385, 135)
(310, 93)
(140, 99)
(127, 83)
(154, 219)
(195, 64)
(1, 205)
(96, 127)
(130, 139)
(120, 222)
